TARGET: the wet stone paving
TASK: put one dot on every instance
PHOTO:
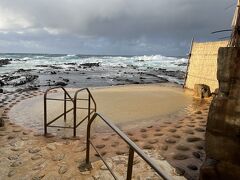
(26, 154)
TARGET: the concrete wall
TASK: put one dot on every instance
(223, 126)
(203, 64)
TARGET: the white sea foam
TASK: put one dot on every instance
(30, 61)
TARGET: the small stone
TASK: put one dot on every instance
(11, 172)
(200, 129)
(24, 138)
(192, 167)
(164, 147)
(172, 130)
(13, 157)
(193, 139)
(167, 122)
(198, 112)
(196, 155)
(16, 163)
(182, 148)
(58, 157)
(25, 133)
(11, 136)
(152, 141)
(36, 157)
(114, 144)
(148, 146)
(143, 130)
(179, 171)
(63, 169)
(158, 134)
(160, 157)
(100, 146)
(51, 147)
(177, 126)
(134, 139)
(176, 136)
(105, 138)
(179, 156)
(103, 153)
(199, 147)
(34, 150)
(188, 131)
(16, 149)
(119, 152)
(170, 141)
(38, 177)
(17, 130)
(130, 134)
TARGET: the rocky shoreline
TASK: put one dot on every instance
(82, 75)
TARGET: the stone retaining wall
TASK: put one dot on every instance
(223, 127)
(203, 64)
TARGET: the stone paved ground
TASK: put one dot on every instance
(25, 154)
(180, 142)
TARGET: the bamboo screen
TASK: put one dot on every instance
(203, 64)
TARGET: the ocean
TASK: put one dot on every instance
(44, 70)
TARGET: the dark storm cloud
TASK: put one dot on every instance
(110, 26)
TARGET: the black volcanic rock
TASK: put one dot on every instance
(60, 83)
(89, 65)
(1, 83)
(41, 65)
(5, 62)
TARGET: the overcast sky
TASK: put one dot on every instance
(120, 27)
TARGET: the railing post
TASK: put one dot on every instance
(65, 106)
(130, 163)
(89, 106)
(88, 143)
(74, 116)
(45, 115)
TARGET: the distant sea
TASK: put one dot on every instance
(91, 70)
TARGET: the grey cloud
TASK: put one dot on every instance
(110, 26)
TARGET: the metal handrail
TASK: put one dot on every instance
(50, 89)
(46, 124)
(89, 93)
(90, 97)
(132, 148)
(74, 100)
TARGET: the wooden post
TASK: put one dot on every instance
(189, 56)
(235, 37)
